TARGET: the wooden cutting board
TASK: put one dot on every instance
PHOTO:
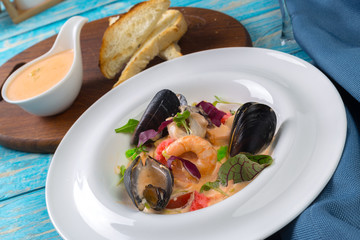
(19, 130)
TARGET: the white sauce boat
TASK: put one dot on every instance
(60, 96)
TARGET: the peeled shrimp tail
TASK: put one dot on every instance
(206, 155)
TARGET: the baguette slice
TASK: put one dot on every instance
(113, 20)
(171, 52)
(170, 28)
(123, 38)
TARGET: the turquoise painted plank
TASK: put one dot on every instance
(26, 217)
(21, 172)
(58, 12)
(250, 8)
(23, 213)
(15, 45)
(241, 10)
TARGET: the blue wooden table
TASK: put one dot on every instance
(23, 213)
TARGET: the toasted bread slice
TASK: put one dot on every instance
(122, 38)
(171, 52)
(170, 28)
(113, 19)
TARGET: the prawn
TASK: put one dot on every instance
(206, 155)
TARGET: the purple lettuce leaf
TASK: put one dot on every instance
(146, 135)
(189, 166)
(214, 114)
(151, 133)
(164, 125)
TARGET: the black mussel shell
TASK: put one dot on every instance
(150, 183)
(164, 104)
(182, 99)
(253, 128)
(155, 197)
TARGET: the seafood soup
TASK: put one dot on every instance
(189, 156)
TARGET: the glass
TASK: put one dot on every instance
(287, 34)
(277, 34)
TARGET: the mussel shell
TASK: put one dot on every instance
(253, 128)
(155, 197)
(151, 182)
(182, 99)
(164, 104)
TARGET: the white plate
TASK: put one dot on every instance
(81, 192)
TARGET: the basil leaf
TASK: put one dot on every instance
(222, 152)
(129, 127)
(243, 167)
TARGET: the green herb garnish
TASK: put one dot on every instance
(147, 206)
(134, 152)
(180, 120)
(222, 152)
(219, 100)
(243, 167)
(122, 173)
(212, 185)
(129, 127)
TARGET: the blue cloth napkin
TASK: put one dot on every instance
(329, 32)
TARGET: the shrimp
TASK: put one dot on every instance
(206, 155)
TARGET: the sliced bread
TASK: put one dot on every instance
(170, 28)
(122, 38)
(171, 52)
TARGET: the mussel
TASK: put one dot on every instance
(182, 99)
(164, 104)
(253, 128)
(197, 122)
(150, 183)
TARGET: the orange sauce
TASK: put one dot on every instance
(40, 76)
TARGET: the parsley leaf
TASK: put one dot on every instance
(129, 127)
